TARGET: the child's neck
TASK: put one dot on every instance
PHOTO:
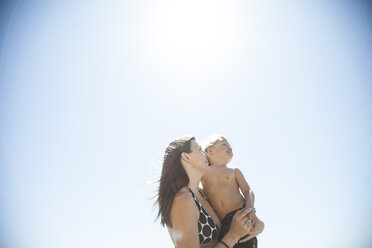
(218, 164)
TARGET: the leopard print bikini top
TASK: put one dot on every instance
(206, 226)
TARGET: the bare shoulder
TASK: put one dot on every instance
(184, 216)
(183, 198)
(238, 174)
(183, 208)
(237, 171)
(228, 170)
(241, 180)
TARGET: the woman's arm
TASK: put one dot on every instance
(238, 228)
(185, 215)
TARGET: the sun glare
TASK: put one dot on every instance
(183, 36)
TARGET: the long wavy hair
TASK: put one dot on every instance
(173, 177)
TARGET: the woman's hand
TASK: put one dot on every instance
(240, 226)
(252, 216)
(256, 229)
(241, 223)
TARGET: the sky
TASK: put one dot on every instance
(92, 92)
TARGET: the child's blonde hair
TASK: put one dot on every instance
(212, 140)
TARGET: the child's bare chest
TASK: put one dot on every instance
(225, 177)
(222, 179)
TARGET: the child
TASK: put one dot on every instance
(221, 187)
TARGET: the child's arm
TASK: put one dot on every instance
(244, 187)
(248, 195)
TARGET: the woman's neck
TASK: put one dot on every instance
(194, 183)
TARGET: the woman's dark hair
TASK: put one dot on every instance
(173, 177)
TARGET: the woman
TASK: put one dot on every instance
(190, 219)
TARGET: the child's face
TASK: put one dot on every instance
(221, 152)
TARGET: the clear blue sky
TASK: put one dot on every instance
(92, 92)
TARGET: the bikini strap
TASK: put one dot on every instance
(201, 192)
(194, 194)
(190, 191)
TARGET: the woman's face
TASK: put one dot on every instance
(197, 155)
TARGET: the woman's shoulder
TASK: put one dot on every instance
(184, 199)
(183, 194)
